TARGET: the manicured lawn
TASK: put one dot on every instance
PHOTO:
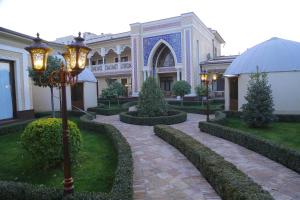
(284, 133)
(95, 171)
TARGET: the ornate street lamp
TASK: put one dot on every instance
(75, 59)
(204, 78)
(39, 54)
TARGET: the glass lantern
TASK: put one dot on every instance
(39, 54)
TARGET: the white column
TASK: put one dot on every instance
(178, 74)
(145, 74)
(119, 61)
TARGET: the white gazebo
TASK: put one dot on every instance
(280, 59)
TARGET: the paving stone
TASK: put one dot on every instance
(161, 172)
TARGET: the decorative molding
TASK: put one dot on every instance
(161, 26)
(188, 55)
(173, 39)
(166, 69)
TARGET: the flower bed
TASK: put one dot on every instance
(173, 117)
(122, 186)
(228, 181)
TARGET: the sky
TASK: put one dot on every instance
(242, 23)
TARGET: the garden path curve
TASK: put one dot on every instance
(281, 182)
(161, 172)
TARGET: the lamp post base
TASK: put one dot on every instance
(68, 186)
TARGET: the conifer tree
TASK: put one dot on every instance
(258, 111)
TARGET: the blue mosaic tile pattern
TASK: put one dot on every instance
(174, 39)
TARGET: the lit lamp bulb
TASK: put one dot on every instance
(214, 77)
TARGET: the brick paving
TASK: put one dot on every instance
(161, 172)
(281, 182)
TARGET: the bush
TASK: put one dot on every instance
(181, 88)
(13, 128)
(173, 117)
(228, 181)
(42, 139)
(151, 100)
(281, 154)
(195, 109)
(258, 111)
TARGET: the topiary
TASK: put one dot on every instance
(151, 100)
(181, 88)
(42, 139)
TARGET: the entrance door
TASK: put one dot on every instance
(233, 93)
(7, 91)
(124, 83)
(77, 96)
(166, 85)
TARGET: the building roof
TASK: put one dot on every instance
(219, 60)
(87, 76)
(23, 36)
(273, 55)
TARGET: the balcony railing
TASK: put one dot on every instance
(111, 67)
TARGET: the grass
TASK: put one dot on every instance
(95, 171)
(284, 133)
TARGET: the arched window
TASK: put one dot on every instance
(163, 57)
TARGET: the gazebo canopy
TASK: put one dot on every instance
(273, 55)
(87, 76)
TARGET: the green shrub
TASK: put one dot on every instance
(172, 117)
(181, 88)
(258, 111)
(42, 139)
(151, 100)
(278, 153)
(228, 181)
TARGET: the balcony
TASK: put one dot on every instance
(112, 68)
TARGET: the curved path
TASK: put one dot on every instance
(161, 172)
(281, 182)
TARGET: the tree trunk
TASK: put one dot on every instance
(52, 102)
(182, 101)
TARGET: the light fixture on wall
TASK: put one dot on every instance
(75, 59)
(204, 79)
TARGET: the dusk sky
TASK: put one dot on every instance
(242, 23)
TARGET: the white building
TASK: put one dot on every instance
(168, 49)
(277, 57)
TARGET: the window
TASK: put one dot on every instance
(116, 60)
(100, 61)
(93, 62)
(124, 59)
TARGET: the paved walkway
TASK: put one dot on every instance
(160, 171)
(281, 182)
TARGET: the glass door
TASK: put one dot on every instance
(6, 91)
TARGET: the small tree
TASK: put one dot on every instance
(151, 100)
(201, 91)
(42, 80)
(118, 89)
(108, 94)
(181, 88)
(258, 111)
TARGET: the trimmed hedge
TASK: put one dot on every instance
(278, 153)
(228, 181)
(132, 118)
(107, 111)
(122, 187)
(13, 128)
(191, 109)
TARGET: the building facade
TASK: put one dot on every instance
(169, 49)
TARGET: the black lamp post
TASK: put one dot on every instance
(205, 80)
(75, 59)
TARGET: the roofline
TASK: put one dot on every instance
(24, 36)
(119, 38)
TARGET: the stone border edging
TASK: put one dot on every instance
(179, 117)
(228, 181)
